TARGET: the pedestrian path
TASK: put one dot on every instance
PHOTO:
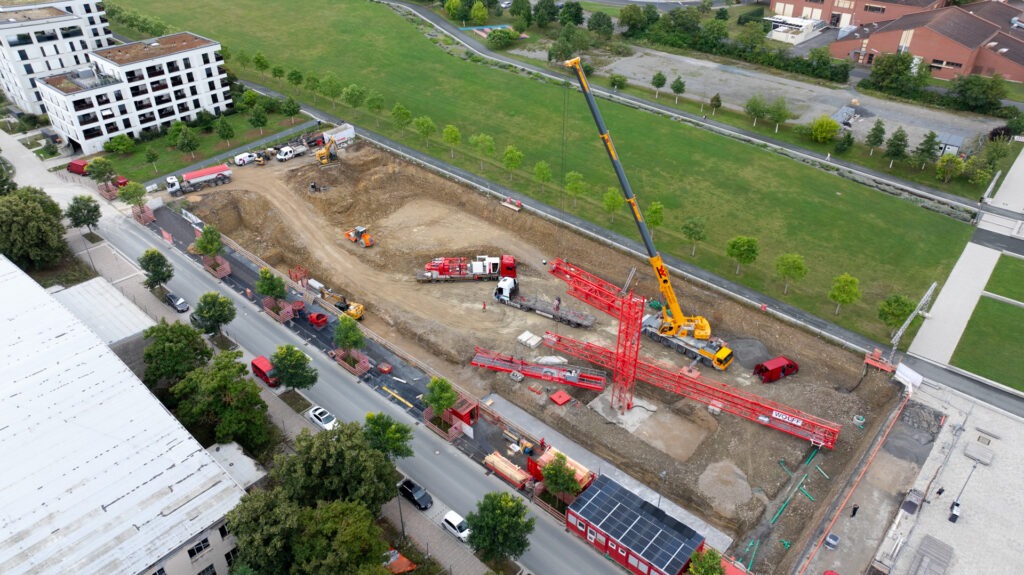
(939, 335)
(1011, 193)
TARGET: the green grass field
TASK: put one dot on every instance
(991, 344)
(1008, 278)
(891, 245)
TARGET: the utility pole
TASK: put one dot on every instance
(662, 486)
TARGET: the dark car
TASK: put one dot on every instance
(416, 494)
(178, 303)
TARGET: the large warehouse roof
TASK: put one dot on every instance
(97, 476)
(105, 310)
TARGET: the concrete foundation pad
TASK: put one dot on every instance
(632, 419)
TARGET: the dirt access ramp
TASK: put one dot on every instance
(724, 468)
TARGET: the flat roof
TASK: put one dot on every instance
(22, 16)
(98, 477)
(154, 48)
(105, 310)
(78, 80)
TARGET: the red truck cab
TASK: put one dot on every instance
(263, 369)
(79, 167)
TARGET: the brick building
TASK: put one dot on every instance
(981, 38)
(841, 13)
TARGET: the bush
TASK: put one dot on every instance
(500, 39)
(755, 15)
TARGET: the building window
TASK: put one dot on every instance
(230, 556)
(187, 62)
(611, 545)
(206, 58)
(632, 560)
(214, 98)
(22, 55)
(118, 96)
(938, 64)
(211, 570)
(160, 571)
(874, 8)
(126, 123)
(198, 548)
(622, 550)
(190, 77)
(28, 68)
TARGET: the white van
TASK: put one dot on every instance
(246, 158)
(454, 523)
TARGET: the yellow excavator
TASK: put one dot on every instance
(673, 322)
(353, 310)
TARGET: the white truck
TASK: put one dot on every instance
(291, 151)
(199, 179)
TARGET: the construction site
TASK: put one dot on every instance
(733, 472)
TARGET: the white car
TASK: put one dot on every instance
(323, 418)
(454, 523)
(506, 4)
(243, 159)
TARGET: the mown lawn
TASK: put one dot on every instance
(1007, 279)
(991, 344)
(135, 167)
(891, 245)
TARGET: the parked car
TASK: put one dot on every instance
(243, 159)
(413, 492)
(178, 303)
(323, 418)
(454, 523)
(506, 4)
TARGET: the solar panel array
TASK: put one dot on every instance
(637, 525)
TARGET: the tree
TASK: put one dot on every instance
(293, 368)
(260, 62)
(896, 146)
(83, 211)
(895, 310)
(575, 186)
(187, 141)
(500, 528)
(612, 202)
(330, 87)
(347, 334)
(658, 81)
(618, 81)
(290, 108)
(571, 14)
(632, 17)
(678, 87)
(208, 243)
(277, 72)
(339, 537)
(401, 116)
(977, 93)
(258, 118)
(213, 311)
(452, 136)
(695, 230)
(312, 85)
(31, 230)
(452, 8)
(976, 170)
(478, 14)
(132, 194)
(928, 150)
(441, 396)
(824, 129)
(173, 350)
(994, 150)
(790, 267)
(559, 478)
(845, 290)
(354, 95)
(599, 23)
(388, 436)
(295, 78)
(706, 562)
(743, 249)
(654, 215)
(375, 103)
(101, 170)
(898, 74)
(876, 137)
(512, 159)
(222, 398)
(501, 38)
(705, 7)
(266, 523)
(779, 113)
(751, 36)
(542, 172)
(484, 145)
(756, 107)
(425, 127)
(269, 283)
(120, 144)
(722, 14)
(158, 270)
(844, 143)
(336, 464)
(715, 102)
(224, 130)
(948, 167)
(7, 183)
(243, 59)
(152, 156)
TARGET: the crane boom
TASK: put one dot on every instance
(673, 320)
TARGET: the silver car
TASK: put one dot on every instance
(323, 418)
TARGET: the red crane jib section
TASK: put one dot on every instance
(712, 393)
(564, 374)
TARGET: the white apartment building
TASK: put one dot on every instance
(135, 87)
(39, 38)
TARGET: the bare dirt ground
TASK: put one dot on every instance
(722, 467)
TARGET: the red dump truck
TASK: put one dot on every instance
(263, 369)
(775, 369)
(460, 269)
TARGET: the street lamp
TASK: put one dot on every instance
(954, 508)
(662, 486)
(401, 518)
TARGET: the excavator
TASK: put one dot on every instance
(353, 310)
(325, 154)
(673, 322)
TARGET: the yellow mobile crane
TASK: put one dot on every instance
(674, 325)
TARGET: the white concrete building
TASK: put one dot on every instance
(39, 38)
(136, 87)
(98, 477)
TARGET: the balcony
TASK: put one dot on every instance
(166, 112)
(183, 108)
(84, 104)
(221, 71)
(218, 58)
(102, 99)
(143, 105)
(19, 40)
(173, 67)
(85, 119)
(92, 133)
(49, 36)
(176, 81)
(71, 32)
(155, 71)
(179, 95)
(139, 91)
(162, 99)
(158, 86)
(134, 77)
(224, 83)
(147, 118)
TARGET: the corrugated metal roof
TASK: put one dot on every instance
(105, 310)
(97, 476)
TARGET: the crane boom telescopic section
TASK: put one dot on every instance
(673, 320)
